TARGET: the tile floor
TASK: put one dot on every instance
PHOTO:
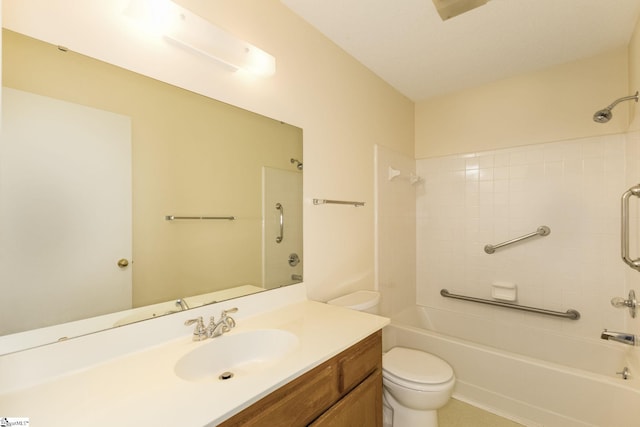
(460, 414)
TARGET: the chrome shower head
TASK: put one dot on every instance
(298, 163)
(604, 115)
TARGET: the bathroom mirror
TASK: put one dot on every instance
(123, 198)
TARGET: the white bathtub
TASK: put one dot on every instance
(527, 374)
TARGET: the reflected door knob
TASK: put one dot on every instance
(122, 263)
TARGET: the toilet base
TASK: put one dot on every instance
(407, 417)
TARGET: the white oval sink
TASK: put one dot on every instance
(241, 354)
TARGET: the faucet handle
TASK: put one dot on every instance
(200, 332)
(631, 303)
(229, 321)
(231, 310)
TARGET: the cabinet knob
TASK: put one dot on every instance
(122, 263)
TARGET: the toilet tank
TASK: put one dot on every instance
(367, 301)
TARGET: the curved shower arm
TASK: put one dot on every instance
(624, 98)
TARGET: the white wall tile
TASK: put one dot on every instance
(574, 187)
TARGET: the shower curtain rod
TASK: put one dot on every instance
(569, 314)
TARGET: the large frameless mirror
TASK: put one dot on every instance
(123, 198)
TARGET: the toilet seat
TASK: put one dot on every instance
(416, 370)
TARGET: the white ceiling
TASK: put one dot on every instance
(407, 44)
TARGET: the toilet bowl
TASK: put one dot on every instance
(415, 385)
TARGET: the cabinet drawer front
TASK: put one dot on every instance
(360, 361)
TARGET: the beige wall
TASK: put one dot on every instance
(548, 105)
(634, 76)
(191, 156)
(343, 109)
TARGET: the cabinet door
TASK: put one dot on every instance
(360, 408)
(295, 404)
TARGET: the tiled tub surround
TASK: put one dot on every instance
(573, 187)
(140, 387)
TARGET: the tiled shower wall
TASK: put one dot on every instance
(573, 187)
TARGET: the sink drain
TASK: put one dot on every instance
(225, 376)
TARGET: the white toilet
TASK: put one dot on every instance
(367, 301)
(415, 383)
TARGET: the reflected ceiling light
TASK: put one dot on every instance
(195, 33)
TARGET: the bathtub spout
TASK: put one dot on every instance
(622, 337)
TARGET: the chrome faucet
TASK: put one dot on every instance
(626, 373)
(225, 324)
(622, 337)
(215, 329)
(182, 304)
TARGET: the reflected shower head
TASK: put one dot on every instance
(604, 115)
(298, 165)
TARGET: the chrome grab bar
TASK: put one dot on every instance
(281, 236)
(543, 230)
(624, 229)
(569, 314)
(174, 217)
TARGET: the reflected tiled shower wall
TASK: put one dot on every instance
(395, 230)
(574, 187)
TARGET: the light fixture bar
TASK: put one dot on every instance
(188, 30)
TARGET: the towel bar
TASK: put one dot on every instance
(336, 202)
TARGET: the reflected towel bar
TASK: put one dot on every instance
(336, 202)
(543, 230)
(569, 314)
(173, 217)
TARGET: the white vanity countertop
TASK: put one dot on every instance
(141, 388)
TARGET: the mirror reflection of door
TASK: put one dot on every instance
(282, 227)
(65, 211)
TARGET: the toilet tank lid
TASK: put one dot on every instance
(417, 366)
(359, 300)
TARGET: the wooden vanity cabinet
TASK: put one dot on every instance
(345, 391)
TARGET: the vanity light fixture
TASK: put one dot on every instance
(188, 30)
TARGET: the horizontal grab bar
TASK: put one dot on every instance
(541, 231)
(336, 202)
(174, 217)
(569, 314)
